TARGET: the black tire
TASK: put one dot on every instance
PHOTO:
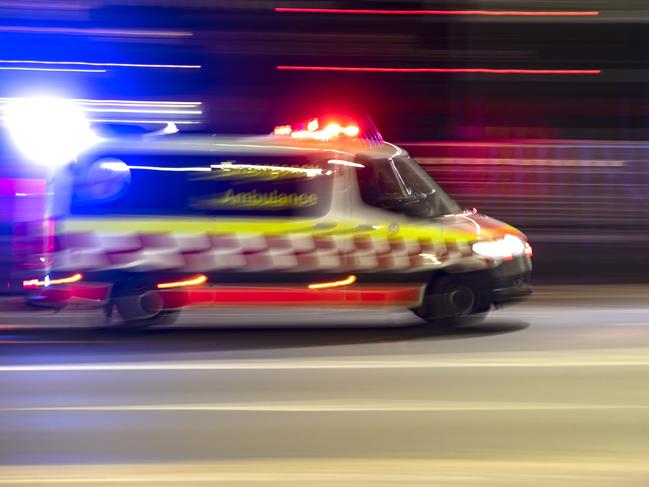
(140, 306)
(452, 300)
(167, 317)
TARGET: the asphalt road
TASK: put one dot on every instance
(549, 392)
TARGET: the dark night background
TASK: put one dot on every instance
(560, 155)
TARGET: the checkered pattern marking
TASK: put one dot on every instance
(202, 252)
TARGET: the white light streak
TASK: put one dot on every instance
(622, 357)
(53, 70)
(341, 162)
(172, 169)
(133, 120)
(95, 32)
(339, 406)
(144, 110)
(111, 65)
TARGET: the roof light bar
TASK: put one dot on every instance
(283, 130)
(313, 125)
(315, 132)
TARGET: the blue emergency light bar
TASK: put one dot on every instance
(48, 131)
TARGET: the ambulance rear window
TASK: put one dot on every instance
(274, 186)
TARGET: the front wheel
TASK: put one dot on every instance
(451, 300)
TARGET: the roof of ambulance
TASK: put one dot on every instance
(201, 144)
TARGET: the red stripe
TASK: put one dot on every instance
(406, 296)
(238, 296)
(495, 13)
(438, 70)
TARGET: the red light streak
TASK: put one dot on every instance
(491, 13)
(438, 70)
(292, 296)
(313, 131)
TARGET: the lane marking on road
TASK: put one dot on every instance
(328, 406)
(568, 471)
(632, 357)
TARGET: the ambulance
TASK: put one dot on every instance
(318, 215)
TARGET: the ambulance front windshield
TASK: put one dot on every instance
(400, 185)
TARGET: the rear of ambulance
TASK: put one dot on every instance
(26, 231)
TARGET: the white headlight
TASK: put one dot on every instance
(48, 130)
(504, 248)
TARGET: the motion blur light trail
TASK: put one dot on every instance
(559, 472)
(130, 111)
(52, 70)
(164, 122)
(93, 32)
(438, 70)
(85, 63)
(148, 103)
(508, 13)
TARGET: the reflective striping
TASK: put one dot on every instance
(203, 252)
(198, 245)
(185, 225)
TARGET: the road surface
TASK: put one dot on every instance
(549, 392)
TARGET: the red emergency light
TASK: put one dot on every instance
(313, 130)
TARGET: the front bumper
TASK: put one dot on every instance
(510, 281)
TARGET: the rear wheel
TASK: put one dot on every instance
(452, 300)
(140, 306)
(162, 318)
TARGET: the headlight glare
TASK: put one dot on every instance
(503, 248)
